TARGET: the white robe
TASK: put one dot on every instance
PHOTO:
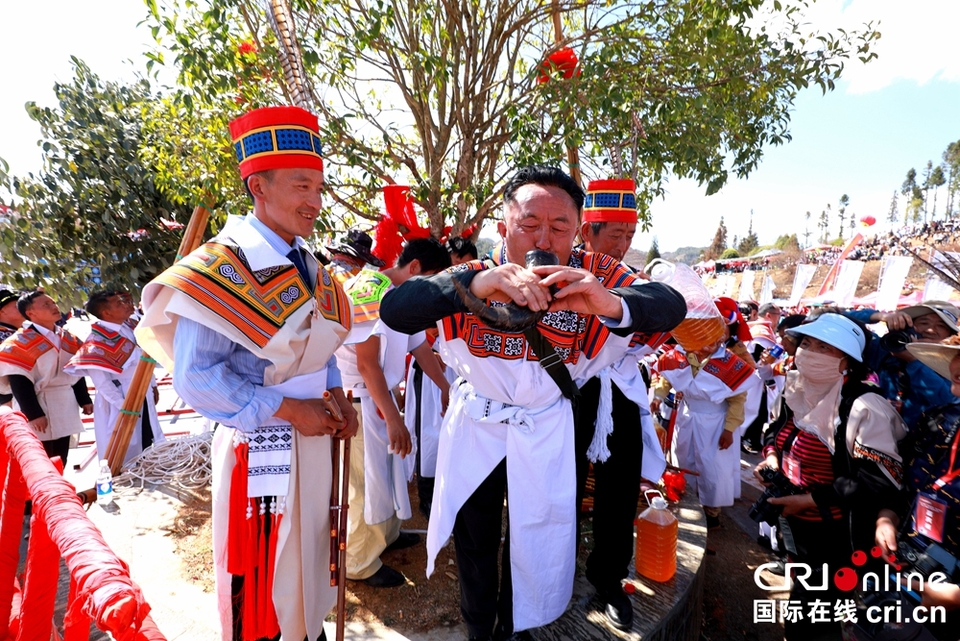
(699, 426)
(626, 375)
(513, 409)
(430, 406)
(385, 474)
(53, 387)
(111, 391)
(297, 353)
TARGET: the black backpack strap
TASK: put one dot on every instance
(553, 364)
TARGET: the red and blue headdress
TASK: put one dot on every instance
(610, 201)
(276, 138)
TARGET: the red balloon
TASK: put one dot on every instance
(868, 221)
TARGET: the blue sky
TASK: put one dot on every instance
(895, 113)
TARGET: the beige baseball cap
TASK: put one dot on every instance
(947, 312)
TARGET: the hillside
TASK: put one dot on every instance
(869, 280)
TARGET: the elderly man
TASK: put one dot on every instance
(620, 440)
(32, 361)
(904, 380)
(510, 422)
(248, 324)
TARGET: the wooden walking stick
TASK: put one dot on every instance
(133, 402)
(339, 503)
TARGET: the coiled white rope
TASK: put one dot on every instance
(183, 462)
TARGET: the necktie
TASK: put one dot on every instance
(297, 259)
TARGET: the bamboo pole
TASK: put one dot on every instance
(133, 402)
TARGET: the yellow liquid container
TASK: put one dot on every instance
(657, 541)
(703, 326)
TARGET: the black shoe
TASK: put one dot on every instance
(619, 608)
(405, 540)
(523, 635)
(778, 568)
(385, 577)
(713, 522)
(749, 448)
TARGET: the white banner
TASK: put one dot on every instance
(893, 272)
(746, 285)
(766, 292)
(801, 280)
(722, 285)
(936, 289)
(847, 280)
(730, 286)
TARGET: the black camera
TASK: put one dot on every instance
(925, 559)
(897, 340)
(778, 485)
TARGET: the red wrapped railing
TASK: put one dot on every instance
(101, 590)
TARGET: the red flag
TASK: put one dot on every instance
(832, 274)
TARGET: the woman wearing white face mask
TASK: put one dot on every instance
(838, 449)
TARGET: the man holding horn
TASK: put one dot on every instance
(248, 325)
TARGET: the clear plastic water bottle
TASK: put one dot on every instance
(105, 484)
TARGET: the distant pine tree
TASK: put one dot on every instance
(654, 252)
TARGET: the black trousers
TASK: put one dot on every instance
(818, 542)
(58, 447)
(754, 431)
(476, 535)
(617, 487)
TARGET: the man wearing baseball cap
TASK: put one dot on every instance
(248, 324)
(905, 380)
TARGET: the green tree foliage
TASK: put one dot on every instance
(936, 180)
(444, 96)
(824, 225)
(893, 214)
(806, 230)
(719, 243)
(729, 253)
(914, 195)
(842, 211)
(951, 160)
(787, 242)
(654, 252)
(96, 202)
(749, 242)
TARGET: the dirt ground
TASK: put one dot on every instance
(425, 604)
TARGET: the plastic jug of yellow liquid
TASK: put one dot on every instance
(657, 540)
(703, 326)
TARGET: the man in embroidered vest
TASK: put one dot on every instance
(10, 322)
(32, 362)
(109, 356)
(373, 363)
(721, 396)
(614, 428)
(248, 325)
(509, 428)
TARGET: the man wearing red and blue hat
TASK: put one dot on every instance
(248, 324)
(614, 428)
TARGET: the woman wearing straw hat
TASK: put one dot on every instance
(838, 446)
